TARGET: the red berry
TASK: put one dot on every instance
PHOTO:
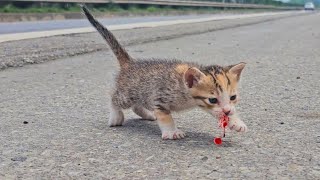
(224, 124)
(217, 140)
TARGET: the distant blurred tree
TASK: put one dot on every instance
(297, 2)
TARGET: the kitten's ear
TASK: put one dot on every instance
(237, 69)
(193, 76)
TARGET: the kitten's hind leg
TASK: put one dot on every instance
(168, 126)
(116, 115)
(144, 113)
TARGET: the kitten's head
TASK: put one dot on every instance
(215, 88)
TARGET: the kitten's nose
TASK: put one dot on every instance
(226, 112)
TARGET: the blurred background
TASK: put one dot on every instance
(30, 10)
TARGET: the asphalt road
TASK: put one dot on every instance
(54, 115)
(33, 30)
(19, 27)
(37, 50)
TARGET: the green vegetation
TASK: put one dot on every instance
(37, 8)
(29, 7)
(112, 8)
(270, 2)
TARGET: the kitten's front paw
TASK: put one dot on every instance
(176, 134)
(238, 125)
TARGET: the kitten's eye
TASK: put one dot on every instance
(213, 100)
(233, 97)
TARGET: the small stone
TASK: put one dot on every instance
(218, 157)
(28, 60)
(298, 77)
(149, 158)
(93, 160)
(25, 122)
(19, 158)
(204, 158)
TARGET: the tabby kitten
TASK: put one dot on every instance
(155, 88)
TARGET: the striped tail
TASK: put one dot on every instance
(121, 54)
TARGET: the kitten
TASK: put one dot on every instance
(155, 88)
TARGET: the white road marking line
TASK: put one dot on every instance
(39, 34)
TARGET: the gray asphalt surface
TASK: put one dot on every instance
(33, 51)
(18, 27)
(54, 115)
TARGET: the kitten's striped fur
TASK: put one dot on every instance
(154, 88)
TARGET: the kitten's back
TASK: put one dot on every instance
(152, 82)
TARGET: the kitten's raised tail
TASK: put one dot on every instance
(121, 54)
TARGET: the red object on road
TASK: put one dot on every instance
(217, 140)
(223, 123)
